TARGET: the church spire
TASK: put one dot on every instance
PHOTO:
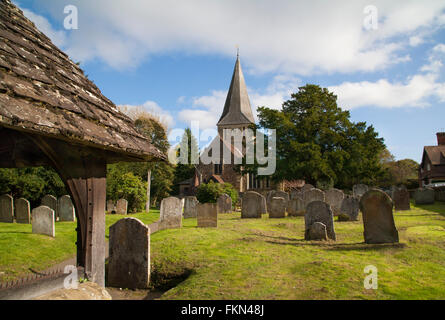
(237, 109)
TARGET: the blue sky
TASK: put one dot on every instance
(175, 58)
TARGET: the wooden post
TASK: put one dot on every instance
(147, 205)
(83, 170)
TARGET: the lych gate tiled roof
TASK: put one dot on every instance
(42, 91)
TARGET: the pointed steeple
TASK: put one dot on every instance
(237, 109)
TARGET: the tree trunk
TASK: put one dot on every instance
(147, 204)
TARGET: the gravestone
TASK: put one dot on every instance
(313, 195)
(207, 215)
(350, 206)
(295, 207)
(378, 220)
(319, 211)
(111, 206)
(171, 214)
(43, 221)
(307, 187)
(334, 198)
(359, 190)
(6, 208)
(318, 231)
(129, 254)
(190, 203)
(277, 207)
(424, 196)
(400, 197)
(295, 194)
(252, 205)
(121, 206)
(22, 211)
(66, 209)
(51, 202)
(278, 194)
(224, 204)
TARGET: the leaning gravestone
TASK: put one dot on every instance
(51, 202)
(224, 204)
(43, 221)
(66, 209)
(207, 215)
(313, 195)
(129, 254)
(359, 189)
(277, 207)
(400, 196)
(319, 211)
(424, 196)
(22, 211)
(350, 206)
(6, 208)
(295, 207)
(111, 207)
(307, 187)
(378, 220)
(121, 206)
(334, 198)
(190, 203)
(252, 205)
(171, 213)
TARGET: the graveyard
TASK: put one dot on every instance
(262, 258)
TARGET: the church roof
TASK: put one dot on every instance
(43, 92)
(237, 109)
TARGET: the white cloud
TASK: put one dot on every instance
(151, 107)
(287, 36)
(57, 37)
(414, 41)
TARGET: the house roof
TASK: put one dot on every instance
(436, 154)
(43, 92)
(237, 109)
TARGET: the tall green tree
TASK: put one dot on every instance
(317, 141)
(185, 168)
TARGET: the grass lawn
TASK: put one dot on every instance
(267, 258)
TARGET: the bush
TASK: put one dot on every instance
(127, 186)
(209, 193)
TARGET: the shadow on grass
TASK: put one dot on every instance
(329, 245)
(438, 207)
(19, 232)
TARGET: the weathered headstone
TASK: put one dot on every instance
(190, 203)
(66, 209)
(400, 197)
(111, 206)
(318, 231)
(424, 196)
(307, 187)
(224, 204)
(129, 254)
(252, 205)
(378, 220)
(319, 211)
(350, 206)
(277, 207)
(43, 221)
(121, 206)
(359, 190)
(313, 195)
(171, 214)
(278, 194)
(6, 208)
(22, 211)
(51, 202)
(295, 207)
(334, 198)
(207, 215)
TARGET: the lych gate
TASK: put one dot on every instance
(52, 115)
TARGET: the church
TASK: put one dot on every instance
(237, 114)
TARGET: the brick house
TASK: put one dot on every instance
(432, 167)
